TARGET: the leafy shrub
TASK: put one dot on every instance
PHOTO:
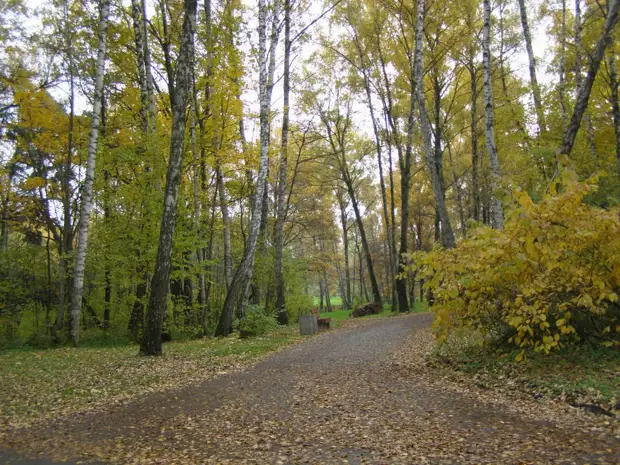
(551, 277)
(256, 322)
(298, 304)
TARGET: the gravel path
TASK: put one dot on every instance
(336, 398)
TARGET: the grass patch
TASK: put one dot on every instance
(576, 374)
(41, 384)
(338, 316)
(336, 300)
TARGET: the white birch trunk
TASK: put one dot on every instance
(238, 290)
(87, 192)
(496, 204)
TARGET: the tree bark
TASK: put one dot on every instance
(282, 175)
(197, 216)
(136, 15)
(151, 340)
(579, 76)
(66, 242)
(475, 182)
(584, 91)
(379, 150)
(226, 224)
(496, 209)
(376, 295)
(87, 191)
(540, 113)
(345, 245)
(243, 275)
(615, 106)
(562, 68)
(447, 235)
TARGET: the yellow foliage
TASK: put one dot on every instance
(551, 277)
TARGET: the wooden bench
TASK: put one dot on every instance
(323, 323)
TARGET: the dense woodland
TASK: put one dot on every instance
(170, 166)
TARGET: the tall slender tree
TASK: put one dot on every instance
(496, 204)
(87, 191)
(158, 301)
(538, 106)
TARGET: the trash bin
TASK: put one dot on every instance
(308, 325)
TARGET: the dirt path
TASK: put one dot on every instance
(336, 398)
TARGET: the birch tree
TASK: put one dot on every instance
(540, 113)
(496, 204)
(583, 95)
(87, 191)
(238, 291)
(282, 175)
(158, 301)
(447, 234)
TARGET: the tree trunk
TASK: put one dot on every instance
(151, 341)
(282, 175)
(146, 53)
(615, 107)
(496, 210)
(384, 203)
(447, 235)
(399, 292)
(136, 15)
(579, 77)
(87, 191)
(208, 254)
(583, 96)
(66, 242)
(540, 113)
(376, 295)
(404, 162)
(562, 68)
(328, 301)
(243, 275)
(226, 224)
(475, 182)
(197, 216)
(345, 245)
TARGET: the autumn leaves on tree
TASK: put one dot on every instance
(252, 157)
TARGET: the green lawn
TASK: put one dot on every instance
(340, 315)
(337, 300)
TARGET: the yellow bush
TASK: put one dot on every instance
(551, 277)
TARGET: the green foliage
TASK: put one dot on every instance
(551, 278)
(298, 304)
(256, 322)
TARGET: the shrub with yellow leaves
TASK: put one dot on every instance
(550, 278)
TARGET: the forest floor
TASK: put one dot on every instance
(358, 395)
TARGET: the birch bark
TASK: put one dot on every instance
(87, 192)
(151, 340)
(496, 204)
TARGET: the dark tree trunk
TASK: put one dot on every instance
(151, 340)
(475, 181)
(615, 107)
(583, 95)
(282, 177)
